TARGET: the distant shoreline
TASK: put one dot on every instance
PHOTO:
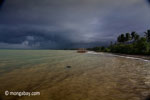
(136, 57)
(147, 57)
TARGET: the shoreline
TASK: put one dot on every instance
(135, 57)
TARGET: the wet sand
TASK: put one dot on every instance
(89, 77)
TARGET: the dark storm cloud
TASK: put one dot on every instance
(34, 37)
(1, 3)
(148, 1)
(69, 23)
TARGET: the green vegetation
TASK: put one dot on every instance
(128, 43)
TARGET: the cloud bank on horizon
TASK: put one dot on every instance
(58, 24)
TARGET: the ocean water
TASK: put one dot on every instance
(68, 75)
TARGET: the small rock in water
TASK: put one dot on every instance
(68, 66)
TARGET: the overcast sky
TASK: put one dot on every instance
(58, 24)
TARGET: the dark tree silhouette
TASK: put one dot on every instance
(133, 34)
(137, 37)
(138, 45)
(147, 34)
(128, 36)
(121, 38)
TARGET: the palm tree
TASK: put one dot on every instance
(128, 36)
(137, 37)
(147, 34)
(133, 34)
(121, 38)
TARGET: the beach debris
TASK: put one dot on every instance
(68, 66)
